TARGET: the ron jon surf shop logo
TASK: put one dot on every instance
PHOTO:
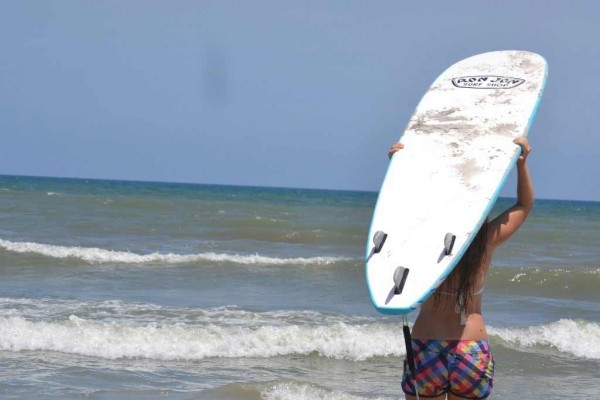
(487, 82)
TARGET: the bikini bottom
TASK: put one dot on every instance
(464, 368)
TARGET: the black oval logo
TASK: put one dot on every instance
(487, 82)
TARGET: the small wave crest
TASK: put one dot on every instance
(579, 338)
(303, 391)
(572, 282)
(279, 390)
(99, 256)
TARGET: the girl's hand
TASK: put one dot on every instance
(395, 147)
(525, 147)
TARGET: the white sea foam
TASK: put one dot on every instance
(115, 340)
(579, 338)
(97, 255)
(116, 329)
(303, 391)
(244, 334)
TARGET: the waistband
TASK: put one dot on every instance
(451, 346)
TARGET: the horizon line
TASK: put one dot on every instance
(244, 185)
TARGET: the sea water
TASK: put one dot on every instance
(132, 290)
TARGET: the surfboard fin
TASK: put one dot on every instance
(400, 275)
(449, 243)
(379, 240)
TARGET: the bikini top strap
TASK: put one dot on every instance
(477, 293)
(480, 291)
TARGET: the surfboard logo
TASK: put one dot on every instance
(487, 82)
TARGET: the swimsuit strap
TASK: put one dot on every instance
(477, 293)
(463, 313)
(480, 291)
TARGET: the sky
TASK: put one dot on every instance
(304, 94)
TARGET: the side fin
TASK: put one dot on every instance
(378, 240)
(449, 243)
(400, 275)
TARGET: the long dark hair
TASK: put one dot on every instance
(461, 281)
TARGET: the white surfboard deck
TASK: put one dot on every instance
(458, 152)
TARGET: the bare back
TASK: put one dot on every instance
(442, 321)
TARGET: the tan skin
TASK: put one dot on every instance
(443, 322)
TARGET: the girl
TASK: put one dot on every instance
(450, 343)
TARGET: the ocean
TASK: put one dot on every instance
(137, 290)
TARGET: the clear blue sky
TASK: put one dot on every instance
(274, 93)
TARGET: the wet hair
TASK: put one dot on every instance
(461, 281)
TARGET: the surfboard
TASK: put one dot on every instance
(439, 189)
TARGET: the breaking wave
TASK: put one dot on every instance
(115, 330)
(98, 256)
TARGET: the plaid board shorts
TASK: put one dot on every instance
(463, 367)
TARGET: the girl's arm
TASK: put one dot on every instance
(507, 223)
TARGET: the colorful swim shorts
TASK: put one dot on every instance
(463, 367)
